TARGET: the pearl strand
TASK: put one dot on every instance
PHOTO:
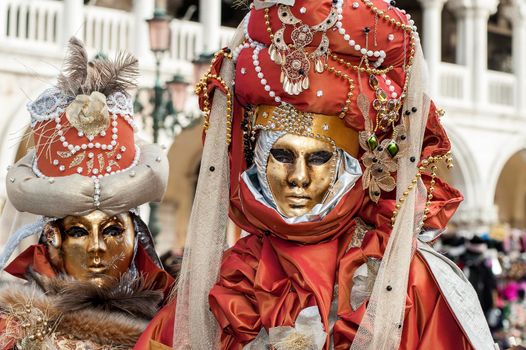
(390, 87)
(245, 45)
(380, 54)
(75, 148)
(261, 76)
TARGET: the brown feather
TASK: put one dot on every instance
(241, 4)
(100, 74)
(123, 74)
(74, 71)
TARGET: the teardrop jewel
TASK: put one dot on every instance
(320, 68)
(306, 83)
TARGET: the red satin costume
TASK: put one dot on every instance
(268, 277)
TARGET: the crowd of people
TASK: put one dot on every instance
(496, 267)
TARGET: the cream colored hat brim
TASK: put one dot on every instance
(73, 194)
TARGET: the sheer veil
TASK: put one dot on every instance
(195, 326)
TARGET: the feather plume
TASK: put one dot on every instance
(74, 70)
(100, 74)
(122, 75)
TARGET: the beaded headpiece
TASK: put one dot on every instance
(84, 127)
(85, 124)
(319, 126)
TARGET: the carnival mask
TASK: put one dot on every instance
(94, 247)
(300, 171)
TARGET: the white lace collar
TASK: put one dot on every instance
(52, 103)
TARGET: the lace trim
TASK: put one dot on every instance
(52, 103)
(49, 105)
(120, 103)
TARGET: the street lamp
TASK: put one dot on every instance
(159, 29)
(177, 89)
(160, 39)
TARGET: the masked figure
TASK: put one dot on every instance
(319, 129)
(94, 280)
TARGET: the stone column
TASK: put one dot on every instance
(210, 18)
(72, 20)
(3, 19)
(432, 41)
(518, 17)
(142, 10)
(472, 19)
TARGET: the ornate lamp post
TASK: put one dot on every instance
(160, 38)
(178, 93)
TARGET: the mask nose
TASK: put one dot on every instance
(96, 243)
(299, 174)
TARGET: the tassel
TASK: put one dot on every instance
(286, 85)
(306, 83)
(295, 341)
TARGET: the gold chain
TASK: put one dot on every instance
(202, 86)
(430, 162)
(386, 17)
(341, 74)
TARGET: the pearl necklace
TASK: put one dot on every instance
(380, 54)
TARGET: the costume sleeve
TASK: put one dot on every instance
(159, 330)
(428, 323)
(232, 299)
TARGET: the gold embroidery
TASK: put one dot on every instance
(64, 154)
(100, 158)
(78, 159)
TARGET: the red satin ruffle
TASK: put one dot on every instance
(267, 281)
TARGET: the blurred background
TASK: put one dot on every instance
(476, 54)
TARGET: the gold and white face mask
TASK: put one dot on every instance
(300, 171)
(95, 247)
(281, 160)
(304, 163)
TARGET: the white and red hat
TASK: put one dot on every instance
(86, 156)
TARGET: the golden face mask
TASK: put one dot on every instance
(93, 247)
(300, 171)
